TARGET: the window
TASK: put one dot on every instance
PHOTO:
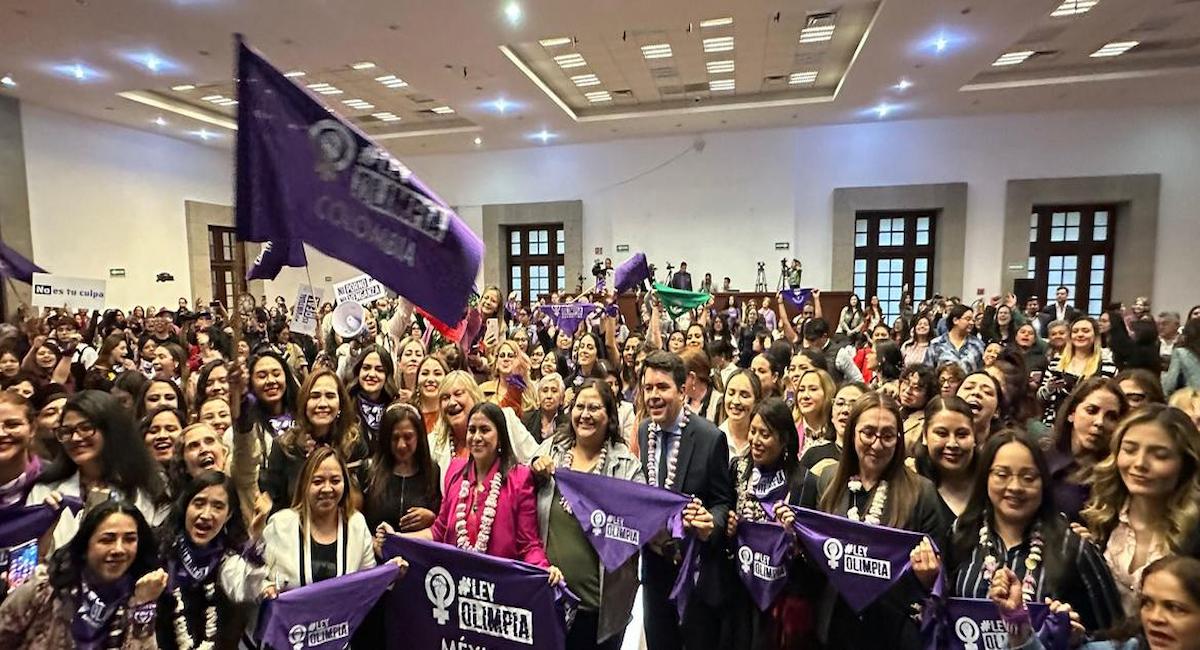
(536, 265)
(1072, 246)
(227, 263)
(893, 249)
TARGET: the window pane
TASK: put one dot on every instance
(1100, 218)
(860, 225)
(1072, 218)
(562, 278)
(920, 279)
(898, 238)
(1099, 233)
(860, 279)
(1098, 261)
(560, 247)
(1033, 220)
(922, 223)
(919, 293)
(921, 264)
(860, 266)
(1096, 292)
(1057, 234)
(922, 238)
(1031, 268)
(860, 240)
(1094, 307)
(1070, 262)
(1072, 233)
(1058, 220)
(885, 237)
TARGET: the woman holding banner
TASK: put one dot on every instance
(768, 479)
(874, 485)
(1011, 521)
(591, 442)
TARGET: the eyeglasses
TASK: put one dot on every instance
(84, 429)
(887, 438)
(911, 387)
(1002, 476)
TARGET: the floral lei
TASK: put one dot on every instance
(463, 540)
(875, 511)
(183, 638)
(747, 508)
(652, 434)
(566, 457)
(990, 563)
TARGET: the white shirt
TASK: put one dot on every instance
(68, 523)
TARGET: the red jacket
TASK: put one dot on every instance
(515, 529)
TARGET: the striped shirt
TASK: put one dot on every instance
(1085, 584)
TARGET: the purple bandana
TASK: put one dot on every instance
(796, 297)
(455, 598)
(619, 517)
(761, 559)
(306, 175)
(94, 610)
(323, 614)
(567, 316)
(193, 564)
(862, 561)
(21, 524)
(975, 624)
(631, 273)
(689, 574)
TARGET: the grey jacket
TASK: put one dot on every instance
(1184, 371)
(617, 589)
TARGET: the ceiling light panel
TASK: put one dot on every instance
(386, 116)
(1013, 58)
(556, 42)
(716, 22)
(657, 51)
(1074, 8)
(391, 81)
(721, 85)
(719, 67)
(442, 110)
(362, 65)
(1115, 48)
(294, 73)
(798, 78)
(818, 28)
(572, 60)
(183, 87)
(718, 44)
(584, 80)
(598, 96)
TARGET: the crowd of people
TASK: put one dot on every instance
(199, 462)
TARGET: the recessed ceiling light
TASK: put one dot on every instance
(1115, 48)
(584, 80)
(1074, 8)
(478, 141)
(501, 104)
(294, 73)
(882, 110)
(544, 135)
(212, 98)
(317, 86)
(182, 87)
(7, 80)
(598, 96)
(386, 116)
(903, 85)
(797, 78)
(152, 63)
(817, 33)
(362, 65)
(78, 72)
(719, 67)
(572, 60)
(940, 43)
(226, 102)
(716, 22)
(203, 133)
(160, 121)
(721, 85)
(1013, 58)
(512, 11)
(556, 42)
(718, 44)
(657, 51)
(442, 110)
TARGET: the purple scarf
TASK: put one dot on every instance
(95, 608)
(194, 564)
(14, 492)
(761, 559)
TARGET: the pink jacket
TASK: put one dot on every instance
(515, 530)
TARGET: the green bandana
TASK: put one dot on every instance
(678, 301)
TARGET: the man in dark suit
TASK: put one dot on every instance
(700, 456)
(1060, 309)
(682, 279)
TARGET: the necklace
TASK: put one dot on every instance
(652, 434)
(566, 458)
(878, 500)
(463, 540)
(183, 638)
(990, 563)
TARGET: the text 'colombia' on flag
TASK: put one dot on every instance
(304, 174)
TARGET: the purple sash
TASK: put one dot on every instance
(761, 559)
(569, 315)
(455, 598)
(862, 561)
(619, 517)
(324, 614)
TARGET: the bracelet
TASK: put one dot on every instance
(144, 614)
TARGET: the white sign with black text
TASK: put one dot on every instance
(76, 293)
(308, 302)
(362, 289)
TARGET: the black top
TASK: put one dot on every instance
(283, 470)
(392, 500)
(324, 561)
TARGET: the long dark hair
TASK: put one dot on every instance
(124, 461)
(176, 523)
(389, 373)
(66, 565)
(202, 381)
(925, 465)
(139, 405)
(1186, 570)
(383, 463)
(777, 415)
(1063, 427)
(612, 433)
(258, 412)
(508, 457)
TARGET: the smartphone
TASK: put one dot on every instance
(20, 563)
(493, 330)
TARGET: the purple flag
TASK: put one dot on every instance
(762, 556)
(975, 624)
(862, 561)
(619, 517)
(689, 574)
(324, 614)
(21, 524)
(796, 297)
(305, 175)
(455, 598)
(273, 257)
(631, 273)
(14, 265)
(567, 316)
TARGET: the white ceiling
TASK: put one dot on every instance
(466, 54)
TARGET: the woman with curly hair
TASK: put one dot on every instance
(1143, 503)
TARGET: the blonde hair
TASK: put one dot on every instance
(1109, 493)
(829, 388)
(452, 380)
(1185, 399)
(1068, 353)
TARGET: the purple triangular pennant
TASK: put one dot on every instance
(619, 517)
(761, 559)
(14, 265)
(567, 316)
(975, 624)
(324, 614)
(631, 273)
(862, 561)
(689, 574)
(19, 525)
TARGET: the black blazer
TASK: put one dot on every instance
(702, 471)
(533, 422)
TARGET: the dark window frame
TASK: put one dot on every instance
(1083, 249)
(909, 252)
(525, 259)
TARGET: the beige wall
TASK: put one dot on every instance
(14, 197)
(495, 217)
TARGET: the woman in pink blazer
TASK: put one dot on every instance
(490, 503)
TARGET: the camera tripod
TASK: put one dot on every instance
(760, 280)
(783, 277)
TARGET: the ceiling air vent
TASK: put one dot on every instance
(1044, 35)
(1168, 46)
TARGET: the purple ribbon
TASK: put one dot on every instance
(304, 175)
(455, 598)
(619, 517)
(323, 615)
